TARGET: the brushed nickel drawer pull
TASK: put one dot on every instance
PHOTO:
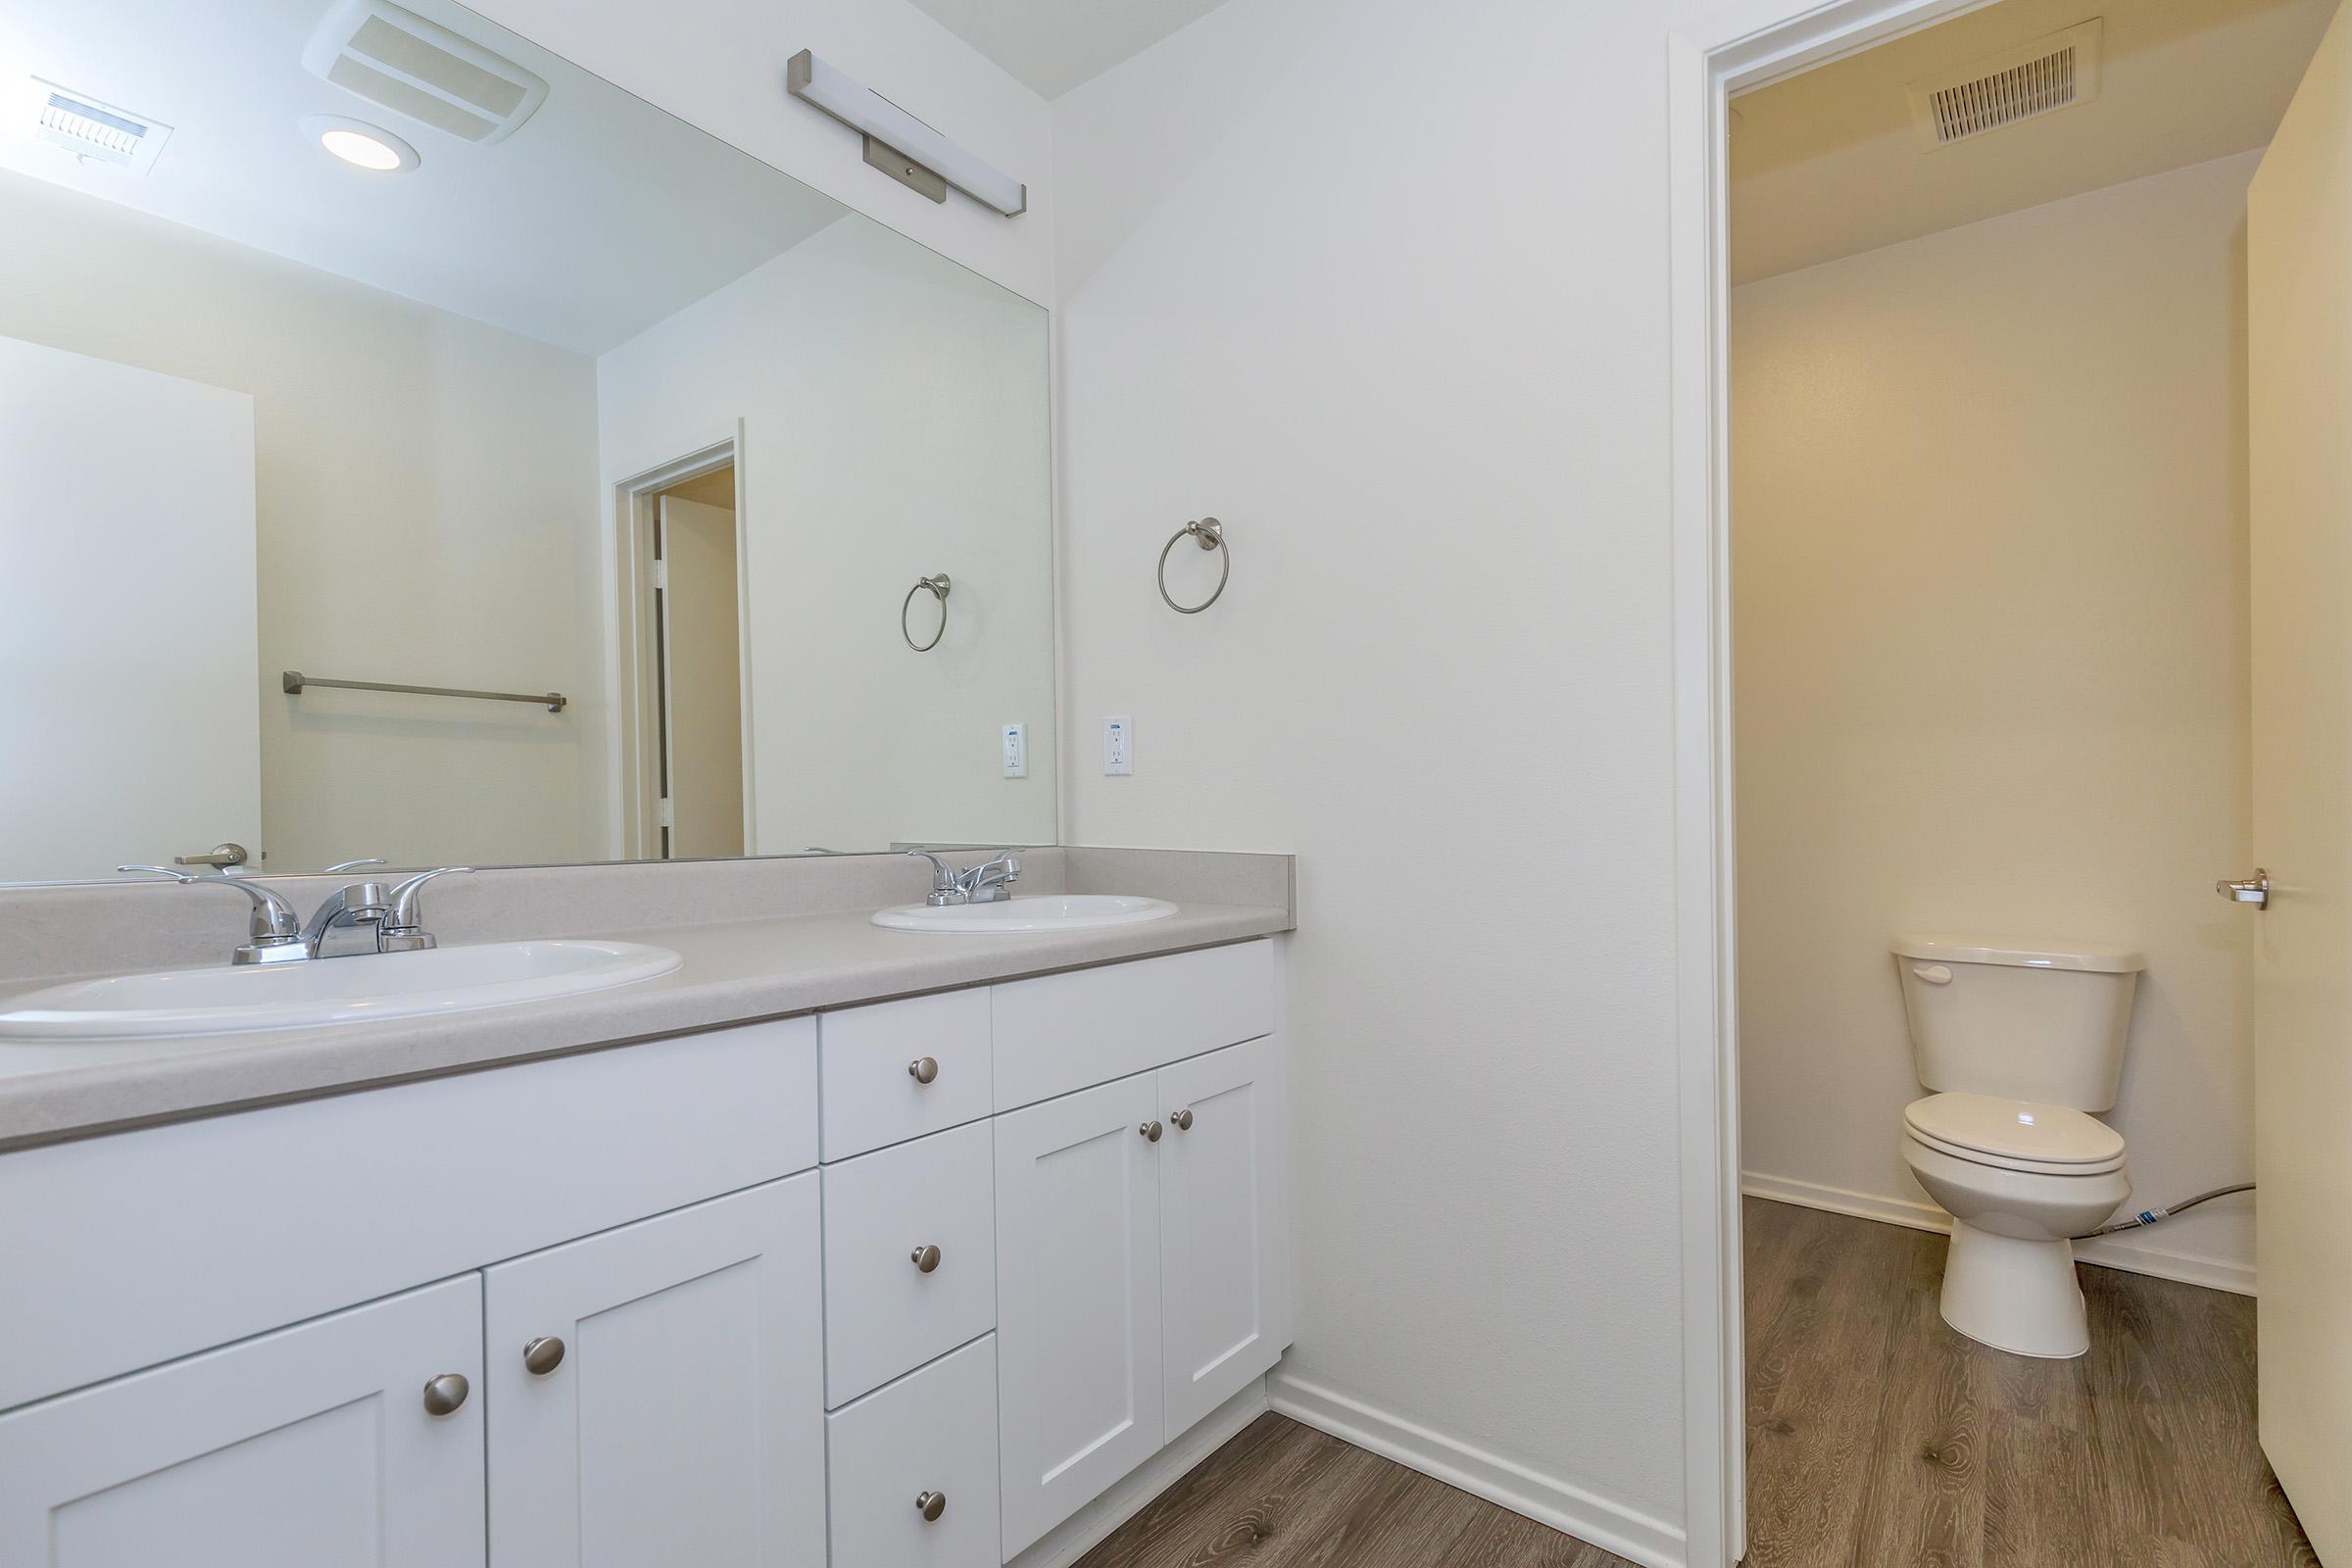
(925, 1258)
(923, 1069)
(931, 1504)
(444, 1394)
(542, 1355)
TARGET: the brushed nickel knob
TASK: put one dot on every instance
(926, 1258)
(1151, 1132)
(542, 1355)
(922, 1069)
(1183, 1120)
(445, 1393)
(931, 1504)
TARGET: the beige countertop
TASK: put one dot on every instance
(733, 972)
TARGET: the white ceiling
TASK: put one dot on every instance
(1828, 164)
(599, 218)
(1050, 46)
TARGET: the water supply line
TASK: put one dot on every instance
(2149, 1216)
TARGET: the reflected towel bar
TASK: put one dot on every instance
(294, 680)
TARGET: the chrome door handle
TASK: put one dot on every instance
(445, 1393)
(542, 1355)
(2254, 890)
(220, 856)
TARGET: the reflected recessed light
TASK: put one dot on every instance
(359, 144)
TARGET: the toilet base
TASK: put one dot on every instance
(2014, 1295)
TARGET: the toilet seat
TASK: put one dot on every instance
(2019, 1134)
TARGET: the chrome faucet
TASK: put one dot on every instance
(988, 883)
(992, 882)
(280, 935)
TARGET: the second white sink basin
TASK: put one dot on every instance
(1044, 911)
(231, 1000)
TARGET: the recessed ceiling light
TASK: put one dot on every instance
(359, 144)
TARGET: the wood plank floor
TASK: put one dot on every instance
(1877, 1438)
(1283, 1496)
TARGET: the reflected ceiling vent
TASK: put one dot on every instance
(96, 133)
(2017, 84)
(397, 60)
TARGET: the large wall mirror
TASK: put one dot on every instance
(348, 347)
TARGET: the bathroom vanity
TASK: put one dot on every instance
(884, 1284)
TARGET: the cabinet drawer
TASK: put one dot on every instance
(873, 1094)
(1066, 1032)
(932, 1432)
(884, 1314)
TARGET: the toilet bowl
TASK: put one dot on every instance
(2019, 1178)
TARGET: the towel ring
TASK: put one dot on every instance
(1209, 535)
(938, 590)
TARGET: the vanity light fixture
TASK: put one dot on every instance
(359, 144)
(900, 145)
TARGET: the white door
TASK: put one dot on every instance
(2299, 358)
(702, 679)
(1079, 1394)
(307, 1447)
(681, 1417)
(1222, 1284)
(127, 558)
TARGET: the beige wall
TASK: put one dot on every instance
(1422, 378)
(422, 489)
(1990, 633)
(894, 421)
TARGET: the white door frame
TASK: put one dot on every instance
(1741, 47)
(636, 513)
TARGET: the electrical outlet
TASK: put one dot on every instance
(1017, 751)
(1118, 744)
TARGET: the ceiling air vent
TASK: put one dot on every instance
(96, 133)
(397, 60)
(2017, 84)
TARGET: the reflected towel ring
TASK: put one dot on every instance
(938, 590)
(1209, 535)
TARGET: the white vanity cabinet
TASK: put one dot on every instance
(1044, 1239)
(311, 1445)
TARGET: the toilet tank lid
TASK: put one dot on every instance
(2096, 956)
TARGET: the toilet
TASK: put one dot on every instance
(2019, 1044)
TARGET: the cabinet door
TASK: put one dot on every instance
(684, 1421)
(307, 1447)
(1077, 1301)
(1224, 1267)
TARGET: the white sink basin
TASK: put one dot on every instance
(1044, 911)
(231, 1000)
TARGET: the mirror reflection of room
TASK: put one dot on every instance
(315, 384)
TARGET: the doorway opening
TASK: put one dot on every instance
(687, 756)
(1965, 581)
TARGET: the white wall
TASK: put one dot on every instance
(720, 64)
(421, 482)
(1382, 284)
(895, 426)
(1990, 631)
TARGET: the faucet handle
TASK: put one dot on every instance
(274, 921)
(399, 931)
(944, 886)
(350, 866)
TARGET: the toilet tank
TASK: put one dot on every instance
(2025, 1020)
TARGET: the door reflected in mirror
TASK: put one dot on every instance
(415, 446)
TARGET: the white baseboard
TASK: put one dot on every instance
(1545, 1498)
(2107, 1251)
(1083, 1531)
